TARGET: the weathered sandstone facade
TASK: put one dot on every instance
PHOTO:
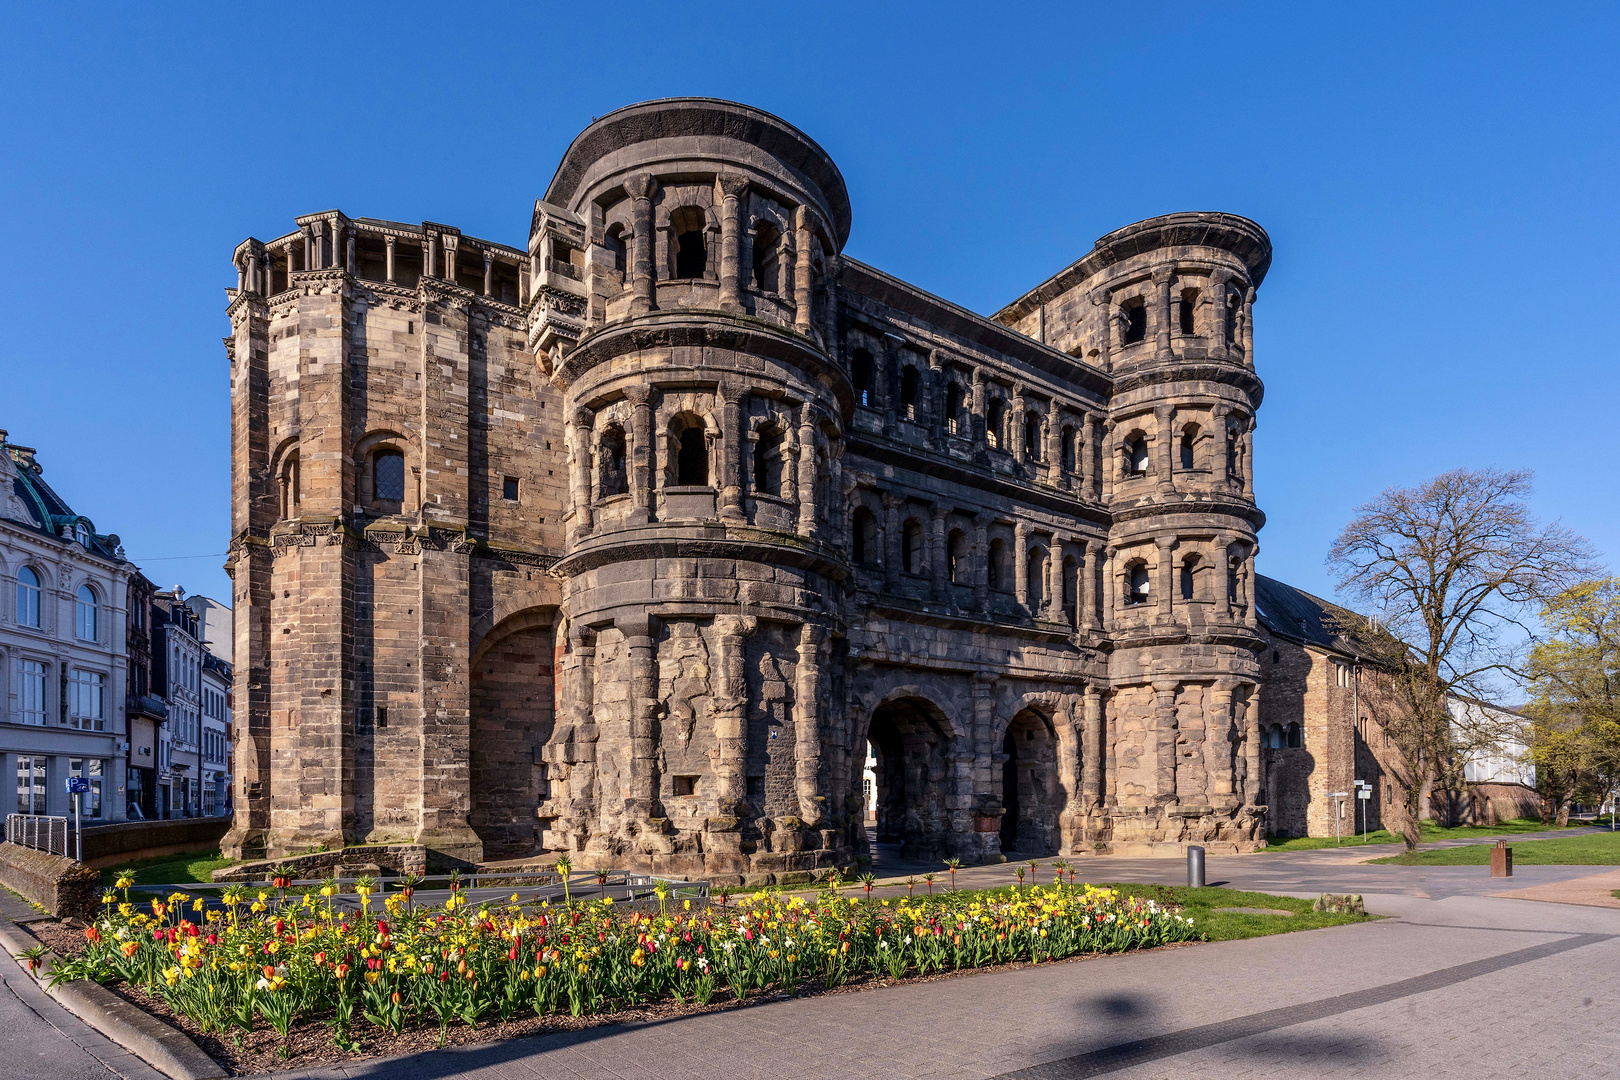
(629, 541)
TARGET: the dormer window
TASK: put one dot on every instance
(81, 534)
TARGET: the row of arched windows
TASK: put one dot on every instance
(86, 607)
(1191, 576)
(689, 249)
(766, 469)
(1137, 461)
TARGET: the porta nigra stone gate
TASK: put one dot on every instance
(634, 541)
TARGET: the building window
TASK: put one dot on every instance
(27, 597)
(996, 571)
(1295, 737)
(30, 784)
(1035, 580)
(767, 275)
(911, 548)
(864, 540)
(614, 242)
(956, 557)
(85, 614)
(689, 250)
(1189, 447)
(685, 785)
(1066, 440)
(388, 476)
(953, 409)
(509, 488)
(908, 393)
(995, 423)
(1135, 322)
(290, 494)
(30, 692)
(1032, 436)
(1189, 309)
(1189, 577)
(1136, 456)
(692, 456)
(1139, 585)
(768, 462)
(87, 700)
(89, 769)
(611, 478)
(860, 373)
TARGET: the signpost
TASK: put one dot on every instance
(77, 786)
(1338, 808)
(1363, 793)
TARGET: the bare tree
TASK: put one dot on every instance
(1450, 568)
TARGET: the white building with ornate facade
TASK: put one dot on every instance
(62, 651)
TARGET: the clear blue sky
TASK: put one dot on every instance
(1439, 182)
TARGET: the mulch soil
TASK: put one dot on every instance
(309, 1042)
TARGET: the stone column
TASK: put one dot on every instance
(731, 488)
(803, 304)
(808, 467)
(641, 188)
(1164, 708)
(1167, 578)
(489, 271)
(1091, 750)
(1246, 445)
(1254, 784)
(1248, 329)
(731, 189)
(309, 248)
(1161, 285)
(1165, 450)
(584, 433)
(242, 276)
(642, 792)
(641, 454)
(1020, 452)
(938, 517)
(1215, 324)
(933, 402)
(348, 254)
(1223, 580)
(1086, 595)
(988, 774)
(1054, 446)
(452, 243)
(1085, 459)
(1218, 744)
(730, 713)
(1102, 321)
(1054, 581)
(1248, 587)
(1110, 586)
(807, 726)
(430, 261)
(389, 241)
(981, 561)
(977, 434)
(891, 539)
(1021, 565)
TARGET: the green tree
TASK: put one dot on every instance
(1451, 570)
(1574, 710)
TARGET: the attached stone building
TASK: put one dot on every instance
(628, 541)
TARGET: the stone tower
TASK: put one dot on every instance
(705, 422)
(676, 539)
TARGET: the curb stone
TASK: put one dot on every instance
(164, 1048)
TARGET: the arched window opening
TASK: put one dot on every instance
(388, 476)
(27, 597)
(1189, 310)
(1295, 736)
(1231, 452)
(1067, 440)
(1189, 577)
(996, 570)
(1135, 312)
(1189, 447)
(1136, 456)
(1232, 582)
(1273, 738)
(767, 268)
(1035, 579)
(290, 493)
(860, 373)
(614, 241)
(908, 392)
(1071, 589)
(865, 542)
(1032, 435)
(688, 249)
(692, 456)
(1139, 584)
(995, 423)
(86, 622)
(953, 409)
(911, 547)
(956, 556)
(611, 476)
(768, 463)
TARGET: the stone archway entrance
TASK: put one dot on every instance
(512, 712)
(907, 743)
(1030, 793)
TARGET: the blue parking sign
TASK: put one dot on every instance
(78, 785)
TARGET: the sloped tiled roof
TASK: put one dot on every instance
(47, 511)
(1296, 614)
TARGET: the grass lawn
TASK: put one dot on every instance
(1197, 905)
(1428, 831)
(191, 867)
(1594, 849)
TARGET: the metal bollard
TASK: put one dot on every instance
(1195, 867)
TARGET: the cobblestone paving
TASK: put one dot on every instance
(1467, 986)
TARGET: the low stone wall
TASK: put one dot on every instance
(1495, 803)
(127, 841)
(64, 888)
(392, 858)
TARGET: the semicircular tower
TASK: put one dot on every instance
(681, 257)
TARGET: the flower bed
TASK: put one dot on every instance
(270, 959)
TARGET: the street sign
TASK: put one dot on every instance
(78, 785)
(1364, 793)
(1338, 794)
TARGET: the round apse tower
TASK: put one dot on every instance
(690, 244)
(1172, 301)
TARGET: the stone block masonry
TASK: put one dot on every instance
(676, 540)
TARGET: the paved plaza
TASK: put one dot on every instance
(1454, 982)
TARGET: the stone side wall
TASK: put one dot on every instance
(65, 888)
(125, 842)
